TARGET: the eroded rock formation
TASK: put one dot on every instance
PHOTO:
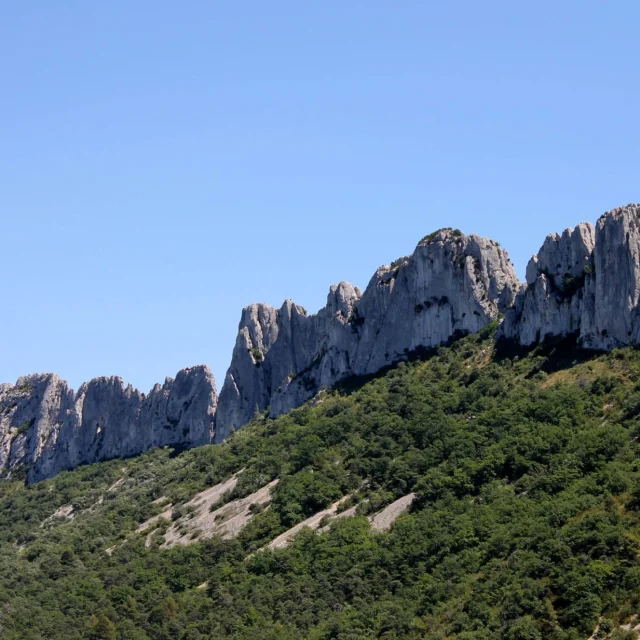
(451, 284)
(45, 428)
(584, 283)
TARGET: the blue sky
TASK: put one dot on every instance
(164, 164)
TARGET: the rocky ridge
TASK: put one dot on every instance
(451, 284)
(46, 428)
(583, 284)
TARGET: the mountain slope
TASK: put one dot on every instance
(525, 522)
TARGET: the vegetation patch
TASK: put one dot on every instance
(24, 427)
(525, 520)
(428, 239)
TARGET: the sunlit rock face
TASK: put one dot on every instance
(32, 413)
(553, 301)
(274, 346)
(584, 283)
(45, 428)
(612, 316)
(452, 284)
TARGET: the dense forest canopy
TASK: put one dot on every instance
(525, 523)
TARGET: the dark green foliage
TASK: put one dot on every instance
(27, 387)
(456, 233)
(355, 320)
(24, 427)
(525, 524)
(101, 628)
(571, 284)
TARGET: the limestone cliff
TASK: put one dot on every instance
(612, 313)
(451, 284)
(31, 414)
(584, 283)
(46, 428)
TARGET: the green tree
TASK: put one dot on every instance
(101, 628)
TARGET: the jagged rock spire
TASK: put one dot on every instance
(584, 283)
(45, 428)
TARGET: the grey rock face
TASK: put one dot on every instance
(31, 414)
(46, 428)
(451, 284)
(191, 408)
(552, 303)
(584, 283)
(612, 311)
(274, 345)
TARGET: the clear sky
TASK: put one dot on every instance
(163, 164)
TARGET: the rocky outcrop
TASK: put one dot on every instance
(274, 345)
(46, 428)
(31, 414)
(612, 315)
(452, 284)
(584, 283)
(553, 300)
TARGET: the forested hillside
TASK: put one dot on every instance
(525, 523)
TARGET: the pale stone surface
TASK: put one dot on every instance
(552, 303)
(452, 284)
(383, 520)
(616, 292)
(45, 428)
(585, 283)
(65, 512)
(147, 524)
(31, 415)
(286, 538)
(227, 521)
